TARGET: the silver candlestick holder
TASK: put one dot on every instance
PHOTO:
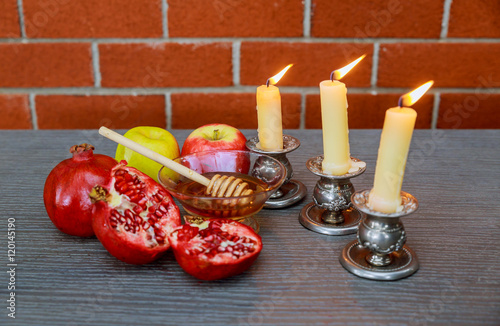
(331, 211)
(291, 191)
(380, 252)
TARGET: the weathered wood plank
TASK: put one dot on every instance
(62, 280)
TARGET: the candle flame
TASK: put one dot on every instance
(276, 78)
(412, 97)
(340, 73)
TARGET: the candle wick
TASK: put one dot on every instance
(332, 75)
(400, 102)
(268, 81)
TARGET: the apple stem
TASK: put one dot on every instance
(216, 134)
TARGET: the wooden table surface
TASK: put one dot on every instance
(297, 280)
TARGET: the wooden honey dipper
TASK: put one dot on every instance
(218, 186)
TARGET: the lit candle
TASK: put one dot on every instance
(270, 128)
(333, 94)
(395, 141)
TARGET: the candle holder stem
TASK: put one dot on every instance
(292, 191)
(380, 252)
(331, 211)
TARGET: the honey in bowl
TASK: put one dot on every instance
(232, 207)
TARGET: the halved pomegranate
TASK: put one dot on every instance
(215, 249)
(133, 216)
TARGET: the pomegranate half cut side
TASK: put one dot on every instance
(133, 216)
(215, 249)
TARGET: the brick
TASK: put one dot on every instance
(15, 112)
(367, 111)
(190, 111)
(376, 18)
(166, 65)
(477, 18)
(469, 111)
(92, 18)
(9, 19)
(313, 62)
(91, 112)
(449, 65)
(219, 18)
(46, 65)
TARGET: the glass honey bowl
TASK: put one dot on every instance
(263, 173)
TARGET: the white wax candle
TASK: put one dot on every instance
(395, 141)
(337, 160)
(270, 128)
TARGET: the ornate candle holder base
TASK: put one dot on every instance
(331, 212)
(292, 191)
(380, 252)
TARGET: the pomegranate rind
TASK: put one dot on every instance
(134, 248)
(221, 265)
(66, 189)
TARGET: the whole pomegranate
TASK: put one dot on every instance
(133, 215)
(215, 249)
(66, 191)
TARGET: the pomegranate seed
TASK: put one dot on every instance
(113, 224)
(151, 209)
(159, 239)
(126, 227)
(137, 209)
(163, 209)
(119, 185)
(160, 196)
(230, 249)
(157, 226)
(129, 193)
(151, 221)
(221, 249)
(146, 225)
(160, 233)
(158, 213)
(113, 219)
(122, 219)
(162, 192)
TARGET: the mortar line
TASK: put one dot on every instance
(307, 18)
(200, 40)
(302, 125)
(435, 110)
(96, 65)
(32, 106)
(20, 10)
(168, 110)
(241, 89)
(374, 77)
(164, 17)
(446, 18)
(236, 62)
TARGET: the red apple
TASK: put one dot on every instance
(215, 136)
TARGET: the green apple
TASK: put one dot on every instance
(154, 138)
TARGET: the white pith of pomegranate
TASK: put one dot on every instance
(136, 216)
(215, 249)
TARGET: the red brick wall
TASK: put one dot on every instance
(183, 63)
